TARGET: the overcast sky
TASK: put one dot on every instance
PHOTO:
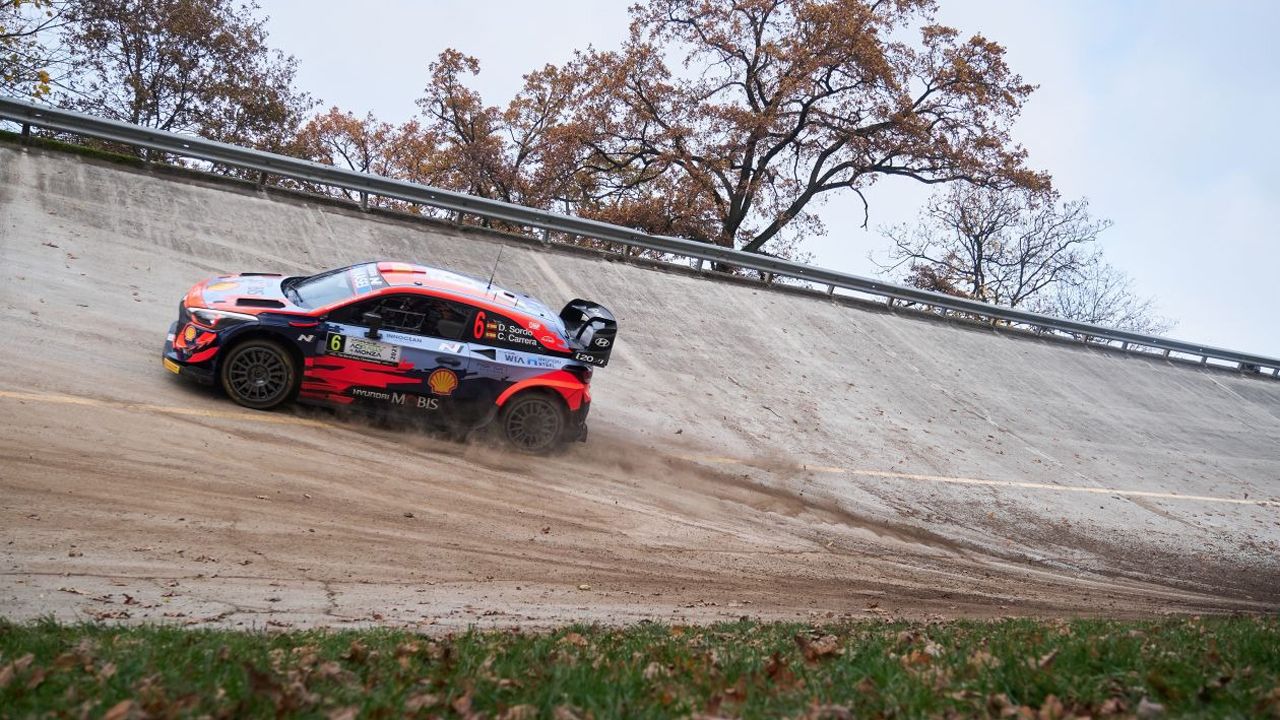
(1163, 114)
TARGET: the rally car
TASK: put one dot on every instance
(396, 336)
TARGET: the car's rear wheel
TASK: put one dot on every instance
(259, 374)
(533, 422)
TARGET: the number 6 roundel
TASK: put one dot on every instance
(478, 329)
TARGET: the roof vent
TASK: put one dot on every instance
(259, 302)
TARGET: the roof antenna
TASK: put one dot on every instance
(495, 268)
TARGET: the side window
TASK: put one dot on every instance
(416, 314)
(490, 328)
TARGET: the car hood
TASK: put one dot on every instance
(247, 293)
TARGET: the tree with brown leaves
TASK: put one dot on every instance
(526, 153)
(781, 103)
(30, 63)
(198, 66)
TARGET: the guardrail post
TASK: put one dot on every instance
(262, 180)
(1124, 347)
(1166, 353)
(1275, 372)
(364, 201)
(888, 300)
(699, 265)
(26, 130)
(831, 291)
(1204, 359)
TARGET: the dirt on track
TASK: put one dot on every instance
(126, 494)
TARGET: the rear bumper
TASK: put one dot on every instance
(199, 372)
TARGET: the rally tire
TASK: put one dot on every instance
(259, 374)
(533, 423)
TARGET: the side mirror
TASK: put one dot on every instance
(374, 321)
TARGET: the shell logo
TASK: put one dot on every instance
(190, 333)
(442, 381)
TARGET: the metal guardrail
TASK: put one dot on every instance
(28, 113)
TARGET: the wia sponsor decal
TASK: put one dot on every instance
(512, 358)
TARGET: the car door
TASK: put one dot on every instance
(412, 361)
(503, 352)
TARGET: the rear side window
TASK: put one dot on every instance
(491, 328)
(414, 314)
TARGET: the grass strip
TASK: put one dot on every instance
(1186, 667)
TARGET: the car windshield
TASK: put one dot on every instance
(319, 290)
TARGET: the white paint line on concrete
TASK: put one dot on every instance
(887, 474)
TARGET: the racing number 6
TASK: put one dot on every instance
(478, 330)
(335, 343)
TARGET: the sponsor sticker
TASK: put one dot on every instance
(172, 366)
(362, 349)
(451, 347)
(398, 399)
(365, 278)
(537, 361)
(442, 381)
(220, 286)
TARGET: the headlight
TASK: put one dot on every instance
(218, 319)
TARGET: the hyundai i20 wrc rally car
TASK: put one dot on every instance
(455, 350)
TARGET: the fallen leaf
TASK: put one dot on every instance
(815, 650)
(1112, 706)
(520, 712)
(574, 638)
(1051, 709)
(1045, 661)
(418, 701)
(565, 712)
(357, 652)
(1148, 710)
(119, 711)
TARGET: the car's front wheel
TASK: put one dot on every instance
(259, 374)
(533, 422)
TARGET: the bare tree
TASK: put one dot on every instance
(1019, 248)
(1102, 294)
(999, 246)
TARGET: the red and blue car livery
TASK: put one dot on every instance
(452, 349)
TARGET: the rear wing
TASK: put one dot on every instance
(591, 329)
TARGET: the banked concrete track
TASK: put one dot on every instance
(753, 451)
